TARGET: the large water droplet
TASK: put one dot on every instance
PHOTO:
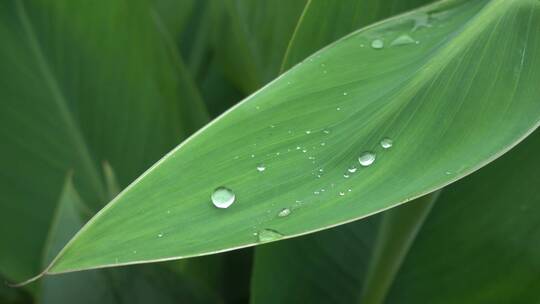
(377, 44)
(223, 197)
(284, 212)
(267, 235)
(387, 143)
(366, 159)
(261, 167)
(403, 40)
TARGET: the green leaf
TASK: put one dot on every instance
(253, 37)
(325, 21)
(327, 267)
(479, 238)
(126, 285)
(424, 96)
(80, 84)
(397, 232)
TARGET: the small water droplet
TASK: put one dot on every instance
(223, 197)
(349, 190)
(134, 251)
(377, 44)
(421, 20)
(168, 211)
(321, 170)
(311, 157)
(160, 235)
(261, 167)
(366, 159)
(323, 144)
(322, 190)
(304, 151)
(341, 193)
(298, 148)
(387, 143)
(338, 109)
(352, 169)
(284, 212)
(316, 192)
(272, 126)
(308, 132)
(447, 172)
(252, 155)
(267, 235)
(345, 93)
(402, 40)
(346, 175)
(326, 131)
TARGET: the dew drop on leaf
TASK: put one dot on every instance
(366, 159)
(403, 40)
(261, 167)
(284, 212)
(267, 235)
(387, 143)
(223, 197)
(377, 44)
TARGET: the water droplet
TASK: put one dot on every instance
(322, 190)
(261, 167)
(387, 143)
(134, 251)
(346, 175)
(168, 211)
(403, 40)
(323, 144)
(160, 235)
(311, 157)
(345, 93)
(223, 197)
(326, 131)
(321, 170)
(267, 235)
(284, 212)
(308, 132)
(366, 159)
(316, 192)
(257, 107)
(298, 148)
(338, 109)
(304, 151)
(352, 169)
(421, 20)
(272, 126)
(377, 44)
(349, 190)
(252, 155)
(447, 172)
(341, 193)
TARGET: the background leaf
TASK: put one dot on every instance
(68, 102)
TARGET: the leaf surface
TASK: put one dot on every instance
(311, 125)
